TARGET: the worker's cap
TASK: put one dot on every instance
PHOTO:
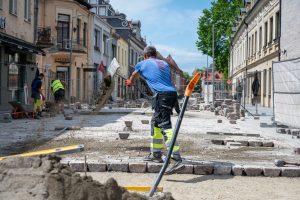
(150, 50)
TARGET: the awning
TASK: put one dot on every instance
(20, 44)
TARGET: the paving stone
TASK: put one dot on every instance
(232, 121)
(297, 150)
(271, 171)
(237, 170)
(295, 132)
(145, 121)
(253, 170)
(243, 143)
(212, 133)
(255, 143)
(68, 117)
(233, 134)
(188, 169)
(290, 171)
(233, 144)
(219, 121)
(226, 141)
(118, 167)
(263, 124)
(77, 166)
(154, 167)
(203, 169)
(218, 142)
(280, 130)
(221, 169)
(268, 144)
(242, 118)
(252, 135)
(74, 128)
(97, 167)
(137, 167)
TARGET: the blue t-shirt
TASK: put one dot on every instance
(157, 74)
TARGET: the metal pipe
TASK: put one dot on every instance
(213, 70)
(166, 163)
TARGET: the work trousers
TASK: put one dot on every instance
(161, 126)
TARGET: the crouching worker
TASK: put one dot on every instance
(59, 95)
(158, 77)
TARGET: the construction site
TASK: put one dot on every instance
(226, 144)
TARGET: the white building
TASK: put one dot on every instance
(254, 46)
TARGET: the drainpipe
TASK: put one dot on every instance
(279, 34)
(35, 23)
(244, 84)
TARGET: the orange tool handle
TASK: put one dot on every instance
(190, 88)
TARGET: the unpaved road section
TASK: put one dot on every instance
(197, 187)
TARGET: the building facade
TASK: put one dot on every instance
(17, 51)
(254, 46)
(64, 34)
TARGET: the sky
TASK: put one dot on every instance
(169, 25)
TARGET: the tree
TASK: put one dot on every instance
(222, 15)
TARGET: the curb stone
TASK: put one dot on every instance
(237, 170)
(138, 167)
(271, 171)
(221, 169)
(253, 170)
(118, 167)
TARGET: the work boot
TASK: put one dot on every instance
(153, 158)
(35, 116)
(40, 114)
(174, 167)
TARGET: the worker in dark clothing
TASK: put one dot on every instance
(157, 74)
(37, 95)
(59, 94)
(239, 91)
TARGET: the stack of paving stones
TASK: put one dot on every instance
(244, 143)
(295, 133)
(198, 168)
(228, 108)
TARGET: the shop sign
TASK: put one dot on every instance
(62, 59)
(2, 22)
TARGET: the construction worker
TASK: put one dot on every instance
(158, 77)
(239, 91)
(59, 94)
(37, 95)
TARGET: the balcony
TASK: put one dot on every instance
(64, 45)
(44, 37)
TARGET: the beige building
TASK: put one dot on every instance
(64, 34)
(123, 71)
(17, 51)
(254, 46)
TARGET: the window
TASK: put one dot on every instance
(113, 50)
(13, 7)
(255, 42)
(102, 11)
(93, 1)
(0, 4)
(63, 30)
(271, 30)
(266, 34)
(97, 40)
(78, 29)
(265, 83)
(260, 38)
(105, 47)
(249, 52)
(94, 10)
(277, 25)
(84, 34)
(270, 81)
(27, 10)
(252, 46)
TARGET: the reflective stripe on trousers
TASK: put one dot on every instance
(157, 142)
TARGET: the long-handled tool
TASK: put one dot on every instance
(187, 94)
(282, 163)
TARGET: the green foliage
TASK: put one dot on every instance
(222, 15)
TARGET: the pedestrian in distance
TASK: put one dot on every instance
(239, 91)
(157, 74)
(255, 88)
(37, 95)
(59, 95)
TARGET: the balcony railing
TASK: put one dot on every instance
(65, 45)
(44, 37)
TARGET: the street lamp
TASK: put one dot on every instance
(70, 68)
(213, 70)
